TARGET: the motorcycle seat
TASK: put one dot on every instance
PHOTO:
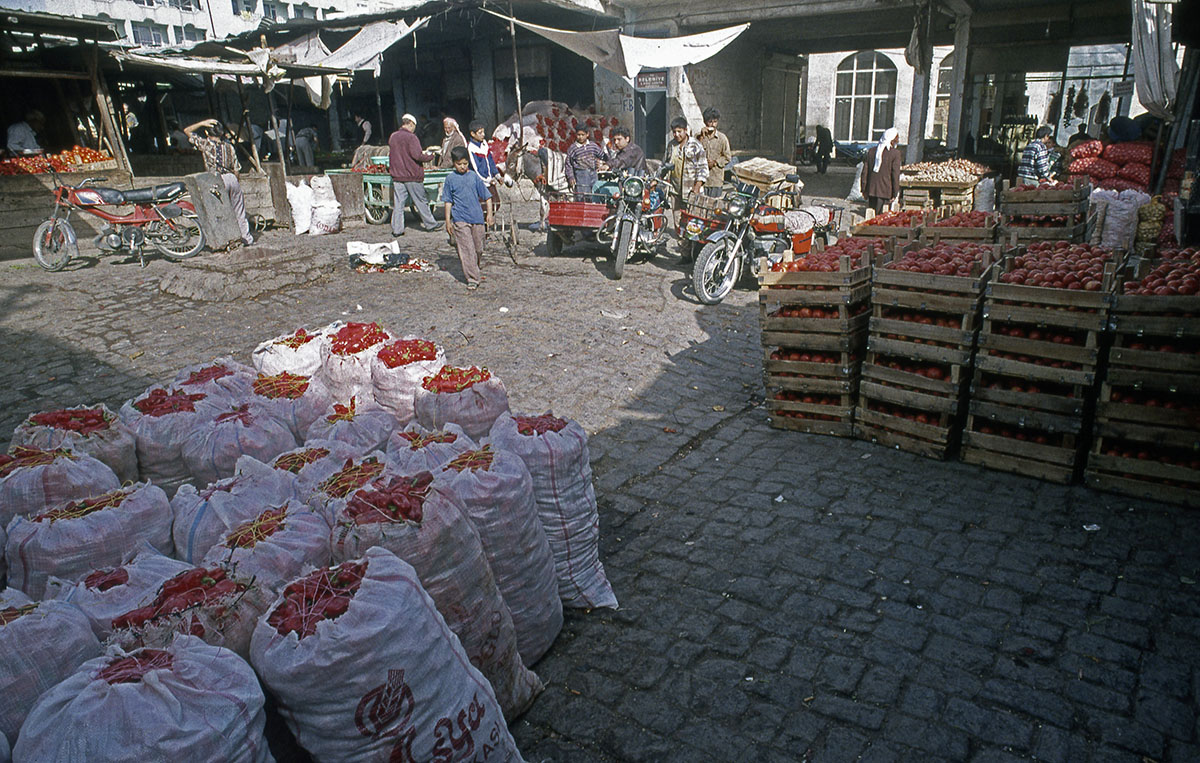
(107, 195)
(164, 192)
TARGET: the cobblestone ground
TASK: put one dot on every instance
(783, 596)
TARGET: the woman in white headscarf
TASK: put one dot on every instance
(454, 137)
(881, 171)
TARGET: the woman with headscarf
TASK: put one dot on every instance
(881, 171)
(454, 137)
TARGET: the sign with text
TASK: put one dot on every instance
(1123, 89)
(651, 81)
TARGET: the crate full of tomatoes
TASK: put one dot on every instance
(906, 223)
(975, 225)
(75, 159)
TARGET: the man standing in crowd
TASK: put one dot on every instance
(1035, 161)
(22, 136)
(364, 127)
(408, 176)
(306, 143)
(583, 161)
(824, 148)
(881, 171)
(453, 138)
(716, 148)
(688, 162)
(626, 155)
(220, 158)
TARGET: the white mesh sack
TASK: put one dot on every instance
(185, 701)
(3, 563)
(497, 493)
(107, 592)
(358, 423)
(346, 359)
(95, 431)
(42, 643)
(416, 449)
(218, 440)
(556, 453)
(426, 526)
(471, 398)
(309, 465)
(161, 421)
(404, 688)
(296, 400)
(202, 517)
(222, 376)
(32, 479)
(277, 545)
(296, 353)
(77, 537)
(208, 602)
(329, 495)
(397, 369)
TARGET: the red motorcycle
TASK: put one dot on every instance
(160, 217)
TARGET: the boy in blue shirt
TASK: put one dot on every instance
(463, 191)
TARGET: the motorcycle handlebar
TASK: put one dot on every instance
(89, 181)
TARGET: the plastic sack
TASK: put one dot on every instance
(416, 449)
(161, 422)
(325, 219)
(203, 516)
(985, 195)
(32, 480)
(217, 440)
(404, 689)
(277, 545)
(106, 592)
(397, 369)
(95, 431)
(1098, 207)
(346, 359)
(308, 465)
(1086, 149)
(474, 407)
(300, 199)
(295, 400)
(557, 460)
(329, 495)
(426, 526)
(322, 189)
(222, 377)
(362, 425)
(207, 602)
(497, 494)
(1120, 219)
(855, 193)
(1093, 166)
(76, 537)
(42, 644)
(296, 353)
(186, 701)
(1137, 173)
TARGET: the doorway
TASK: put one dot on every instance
(781, 101)
(651, 121)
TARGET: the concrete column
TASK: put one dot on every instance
(916, 118)
(958, 82)
(335, 123)
(483, 88)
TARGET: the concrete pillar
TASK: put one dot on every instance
(335, 123)
(917, 111)
(483, 82)
(958, 81)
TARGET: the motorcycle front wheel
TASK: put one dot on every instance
(177, 238)
(54, 244)
(624, 245)
(716, 271)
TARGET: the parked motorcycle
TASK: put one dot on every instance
(159, 217)
(752, 230)
(638, 222)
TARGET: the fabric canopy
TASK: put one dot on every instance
(309, 49)
(1155, 69)
(626, 55)
(365, 50)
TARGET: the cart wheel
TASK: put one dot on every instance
(554, 244)
(376, 215)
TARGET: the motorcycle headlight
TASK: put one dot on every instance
(633, 187)
(738, 206)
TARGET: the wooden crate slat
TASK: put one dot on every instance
(1033, 371)
(842, 296)
(1060, 404)
(945, 387)
(1006, 462)
(923, 300)
(1087, 356)
(963, 338)
(1185, 438)
(1023, 449)
(816, 325)
(1146, 378)
(1168, 325)
(1041, 316)
(912, 350)
(1080, 188)
(842, 370)
(803, 340)
(1113, 483)
(927, 432)
(1044, 421)
(1147, 468)
(824, 385)
(845, 410)
(900, 441)
(910, 398)
(808, 426)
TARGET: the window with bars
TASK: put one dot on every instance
(865, 97)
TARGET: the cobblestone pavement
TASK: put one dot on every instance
(783, 596)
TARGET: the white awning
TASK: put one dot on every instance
(191, 65)
(626, 55)
(309, 49)
(365, 50)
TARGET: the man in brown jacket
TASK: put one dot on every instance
(881, 171)
(716, 148)
(408, 176)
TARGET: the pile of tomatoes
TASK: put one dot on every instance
(63, 161)
(1021, 434)
(1172, 277)
(971, 219)
(942, 258)
(531, 425)
(907, 218)
(828, 260)
(1059, 265)
(1036, 334)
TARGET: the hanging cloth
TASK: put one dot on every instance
(1155, 69)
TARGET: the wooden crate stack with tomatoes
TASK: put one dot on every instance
(905, 224)
(1037, 359)
(1147, 431)
(1054, 211)
(813, 312)
(973, 226)
(925, 307)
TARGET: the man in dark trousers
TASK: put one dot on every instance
(881, 171)
(408, 176)
(824, 148)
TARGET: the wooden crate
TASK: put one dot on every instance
(850, 319)
(1071, 401)
(1145, 477)
(934, 233)
(866, 228)
(1081, 188)
(838, 421)
(809, 376)
(1075, 232)
(933, 438)
(1054, 463)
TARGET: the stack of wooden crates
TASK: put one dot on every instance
(1071, 203)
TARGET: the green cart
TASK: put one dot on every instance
(377, 192)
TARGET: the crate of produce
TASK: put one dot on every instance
(1009, 446)
(764, 174)
(1147, 463)
(1070, 227)
(914, 419)
(974, 226)
(1079, 188)
(1054, 284)
(810, 370)
(905, 224)
(814, 413)
(916, 198)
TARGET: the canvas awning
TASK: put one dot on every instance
(626, 55)
(365, 50)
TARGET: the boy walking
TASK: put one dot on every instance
(463, 192)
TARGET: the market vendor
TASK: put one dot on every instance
(717, 151)
(211, 139)
(22, 136)
(453, 137)
(1035, 161)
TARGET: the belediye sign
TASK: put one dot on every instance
(651, 81)
(1123, 89)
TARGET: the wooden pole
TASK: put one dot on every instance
(105, 109)
(512, 31)
(378, 101)
(245, 124)
(275, 127)
(290, 130)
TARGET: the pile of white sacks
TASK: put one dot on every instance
(368, 532)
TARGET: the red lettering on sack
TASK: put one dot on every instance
(384, 705)
(402, 749)
(449, 748)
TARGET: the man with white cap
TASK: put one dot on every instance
(881, 171)
(408, 176)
